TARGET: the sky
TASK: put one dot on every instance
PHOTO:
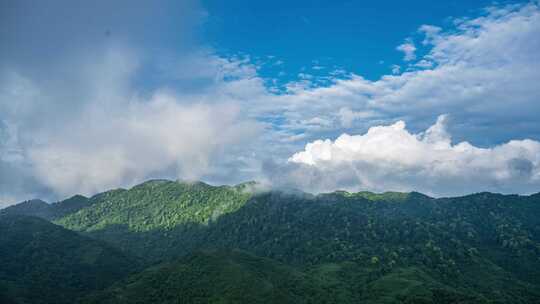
(315, 95)
(317, 37)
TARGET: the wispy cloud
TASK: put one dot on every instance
(409, 49)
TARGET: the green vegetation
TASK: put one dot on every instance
(386, 196)
(338, 247)
(239, 277)
(46, 211)
(215, 277)
(151, 219)
(44, 263)
(34, 207)
(157, 204)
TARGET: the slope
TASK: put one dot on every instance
(148, 217)
(239, 277)
(483, 244)
(44, 263)
(47, 211)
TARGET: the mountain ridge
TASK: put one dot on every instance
(484, 244)
(253, 186)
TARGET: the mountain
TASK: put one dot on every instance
(239, 277)
(158, 204)
(156, 218)
(215, 277)
(35, 207)
(44, 263)
(379, 247)
(47, 211)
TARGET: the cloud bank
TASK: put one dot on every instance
(86, 108)
(391, 158)
(113, 135)
(102, 111)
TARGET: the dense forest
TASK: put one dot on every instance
(44, 263)
(174, 242)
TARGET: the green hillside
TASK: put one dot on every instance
(389, 247)
(215, 277)
(157, 219)
(239, 277)
(157, 204)
(44, 263)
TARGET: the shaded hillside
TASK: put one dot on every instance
(215, 277)
(33, 207)
(486, 244)
(44, 263)
(239, 277)
(47, 211)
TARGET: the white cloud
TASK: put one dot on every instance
(145, 137)
(430, 33)
(294, 138)
(348, 116)
(408, 48)
(484, 74)
(424, 64)
(107, 116)
(396, 69)
(392, 158)
(113, 136)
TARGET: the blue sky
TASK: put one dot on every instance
(440, 98)
(356, 36)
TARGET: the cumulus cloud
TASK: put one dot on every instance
(392, 158)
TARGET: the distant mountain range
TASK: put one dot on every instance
(173, 242)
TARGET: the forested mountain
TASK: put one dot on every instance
(35, 207)
(239, 277)
(44, 263)
(216, 277)
(376, 248)
(47, 211)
